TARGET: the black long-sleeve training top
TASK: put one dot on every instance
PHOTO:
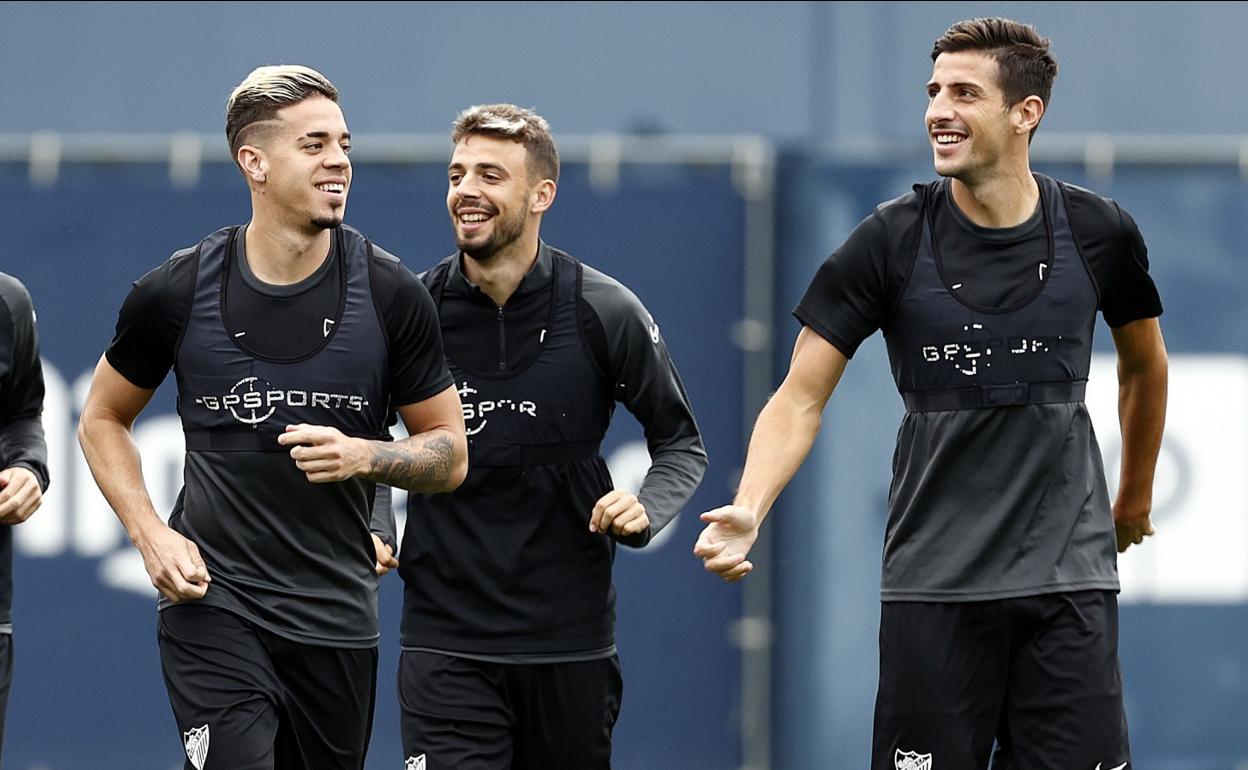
(505, 567)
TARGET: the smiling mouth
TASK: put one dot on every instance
(332, 187)
(474, 218)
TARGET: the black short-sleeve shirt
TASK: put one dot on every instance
(292, 556)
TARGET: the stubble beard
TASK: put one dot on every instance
(506, 233)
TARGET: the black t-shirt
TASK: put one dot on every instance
(292, 556)
(994, 502)
(288, 320)
(855, 289)
(282, 322)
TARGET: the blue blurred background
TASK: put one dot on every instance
(715, 153)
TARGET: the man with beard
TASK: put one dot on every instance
(509, 659)
(294, 339)
(999, 616)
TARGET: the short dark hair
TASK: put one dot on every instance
(265, 91)
(507, 121)
(1024, 64)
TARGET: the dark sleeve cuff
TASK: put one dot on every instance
(388, 539)
(1140, 314)
(638, 540)
(834, 339)
(40, 471)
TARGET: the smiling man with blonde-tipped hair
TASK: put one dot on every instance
(294, 339)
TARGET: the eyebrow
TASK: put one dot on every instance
(959, 84)
(323, 135)
(479, 166)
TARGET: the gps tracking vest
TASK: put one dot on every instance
(550, 410)
(233, 400)
(948, 354)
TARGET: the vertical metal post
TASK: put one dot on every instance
(754, 174)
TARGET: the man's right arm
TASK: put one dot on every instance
(850, 296)
(782, 437)
(105, 432)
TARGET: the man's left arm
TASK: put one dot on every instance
(647, 383)
(25, 453)
(433, 458)
(1142, 378)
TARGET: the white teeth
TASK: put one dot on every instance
(334, 187)
(948, 139)
(472, 217)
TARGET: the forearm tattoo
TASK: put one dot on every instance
(404, 464)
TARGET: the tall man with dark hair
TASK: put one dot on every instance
(999, 615)
(293, 339)
(509, 659)
(23, 452)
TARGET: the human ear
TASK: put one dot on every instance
(254, 164)
(543, 196)
(1026, 114)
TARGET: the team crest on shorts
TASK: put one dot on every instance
(196, 742)
(415, 763)
(912, 760)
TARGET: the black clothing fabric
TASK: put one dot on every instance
(231, 398)
(940, 340)
(6, 681)
(854, 291)
(998, 489)
(459, 713)
(282, 322)
(153, 314)
(293, 557)
(21, 407)
(506, 565)
(999, 620)
(248, 699)
(1038, 674)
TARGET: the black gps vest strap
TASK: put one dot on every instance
(983, 396)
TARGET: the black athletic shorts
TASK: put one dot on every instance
(463, 714)
(247, 699)
(6, 679)
(1038, 676)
